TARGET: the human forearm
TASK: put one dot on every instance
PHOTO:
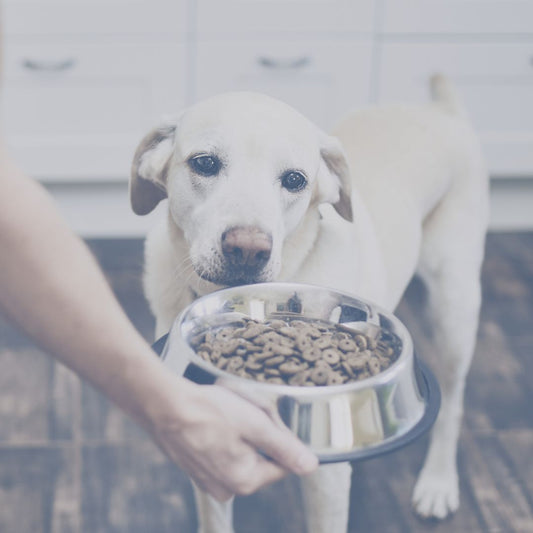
(51, 286)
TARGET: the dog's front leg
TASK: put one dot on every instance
(213, 516)
(326, 495)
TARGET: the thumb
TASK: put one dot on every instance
(280, 445)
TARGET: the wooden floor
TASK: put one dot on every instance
(70, 462)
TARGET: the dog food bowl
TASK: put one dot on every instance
(346, 422)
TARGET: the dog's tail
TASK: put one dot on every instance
(444, 95)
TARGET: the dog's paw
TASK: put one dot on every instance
(436, 496)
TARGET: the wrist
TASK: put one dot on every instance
(149, 393)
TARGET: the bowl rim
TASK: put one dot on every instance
(406, 357)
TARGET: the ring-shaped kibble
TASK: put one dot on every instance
(314, 333)
(216, 354)
(224, 334)
(348, 369)
(284, 350)
(270, 348)
(253, 331)
(274, 361)
(289, 332)
(312, 354)
(299, 378)
(287, 341)
(303, 343)
(357, 363)
(361, 342)
(323, 342)
(262, 355)
(222, 363)
(254, 365)
(204, 347)
(290, 368)
(319, 375)
(347, 345)
(299, 323)
(374, 366)
(229, 346)
(277, 324)
(335, 379)
(206, 356)
(331, 356)
(235, 363)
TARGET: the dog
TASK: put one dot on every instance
(258, 193)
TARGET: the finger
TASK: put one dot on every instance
(283, 447)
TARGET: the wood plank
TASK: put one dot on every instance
(24, 395)
(35, 482)
(133, 489)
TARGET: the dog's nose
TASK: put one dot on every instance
(247, 247)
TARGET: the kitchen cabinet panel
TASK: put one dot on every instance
(474, 17)
(251, 17)
(322, 80)
(494, 80)
(77, 112)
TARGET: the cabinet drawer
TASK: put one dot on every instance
(458, 16)
(112, 17)
(321, 80)
(494, 80)
(78, 111)
(231, 17)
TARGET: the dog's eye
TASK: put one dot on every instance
(293, 181)
(206, 165)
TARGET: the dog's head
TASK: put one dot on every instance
(241, 172)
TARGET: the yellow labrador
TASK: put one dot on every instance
(257, 193)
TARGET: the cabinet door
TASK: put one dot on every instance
(78, 111)
(494, 80)
(105, 17)
(458, 16)
(230, 17)
(321, 80)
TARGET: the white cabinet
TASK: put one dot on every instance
(218, 17)
(455, 17)
(77, 111)
(321, 79)
(486, 49)
(84, 80)
(95, 17)
(494, 80)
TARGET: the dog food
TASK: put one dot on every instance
(296, 352)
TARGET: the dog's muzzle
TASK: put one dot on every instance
(246, 251)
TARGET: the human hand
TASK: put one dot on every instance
(218, 438)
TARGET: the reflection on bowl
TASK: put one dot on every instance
(349, 421)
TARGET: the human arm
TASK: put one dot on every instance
(51, 286)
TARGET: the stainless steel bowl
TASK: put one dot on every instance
(351, 421)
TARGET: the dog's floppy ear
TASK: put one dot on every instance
(148, 183)
(334, 181)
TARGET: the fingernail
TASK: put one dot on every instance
(307, 462)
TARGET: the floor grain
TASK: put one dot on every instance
(70, 462)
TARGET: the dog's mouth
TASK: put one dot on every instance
(231, 276)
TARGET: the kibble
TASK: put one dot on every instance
(296, 352)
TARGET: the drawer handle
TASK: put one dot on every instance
(49, 66)
(284, 64)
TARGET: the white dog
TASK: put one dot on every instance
(257, 193)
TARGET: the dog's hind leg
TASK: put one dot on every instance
(326, 495)
(452, 253)
(213, 516)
